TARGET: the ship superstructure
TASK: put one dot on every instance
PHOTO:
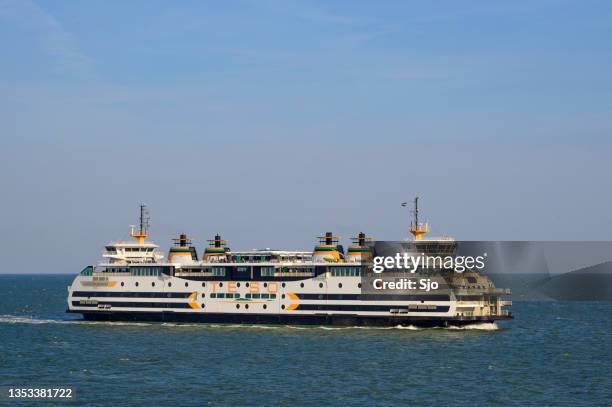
(323, 286)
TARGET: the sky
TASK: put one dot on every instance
(271, 122)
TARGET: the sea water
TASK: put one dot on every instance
(552, 353)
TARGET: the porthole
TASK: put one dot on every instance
(246, 306)
(265, 284)
(359, 285)
(282, 306)
(265, 306)
(122, 284)
(283, 285)
(203, 305)
(302, 285)
(237, 306)
(186, 284)
(339, 285)
(153, 284)
(203, 284)
(237, 284)
(283, 296)
(169, 284)
(203, 295)
(247, 284)
(320, 285)
(220, 284)
(136, 283)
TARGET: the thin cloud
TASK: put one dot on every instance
(49, 33)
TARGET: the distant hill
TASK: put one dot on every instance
(592, 283)
(589, 283)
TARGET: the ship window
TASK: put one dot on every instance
(359, 285)
(345, 271)
(186, 284)
(272, 296)
(136, 283)
(265, 306)
(339, 285)
(265, 296)
(237, 305)
(283, 285)
(247, 284)
(203, 305)
(213, 295)
(218, 271)
(267, 271)
(220, 284)
(203, 284)
(302, 285)
(320, 285)
(265, 284)
(122, 284)
(283, 296)
(241, 269)
(203, 295)
(256, 295)
(283, 306)
(153, 284)
(237, 284)
(169, 284)
(246, 306)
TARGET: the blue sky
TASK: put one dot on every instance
(273, 121)
(416, 71)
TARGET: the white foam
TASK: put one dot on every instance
(13, 319)
(408, 327)
(483, 326)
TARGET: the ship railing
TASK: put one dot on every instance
(110, 273)
(194, 274)
(290, 274)
(485, 290)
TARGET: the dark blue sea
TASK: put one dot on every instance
(553, 354)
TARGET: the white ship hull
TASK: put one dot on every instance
(320, 300)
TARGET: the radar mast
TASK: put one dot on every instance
(416, 228)
(143, 227)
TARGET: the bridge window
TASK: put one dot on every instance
(87, 271)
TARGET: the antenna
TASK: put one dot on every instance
(144, 219)
(416, 211)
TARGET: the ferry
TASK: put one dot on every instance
(319, 287)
